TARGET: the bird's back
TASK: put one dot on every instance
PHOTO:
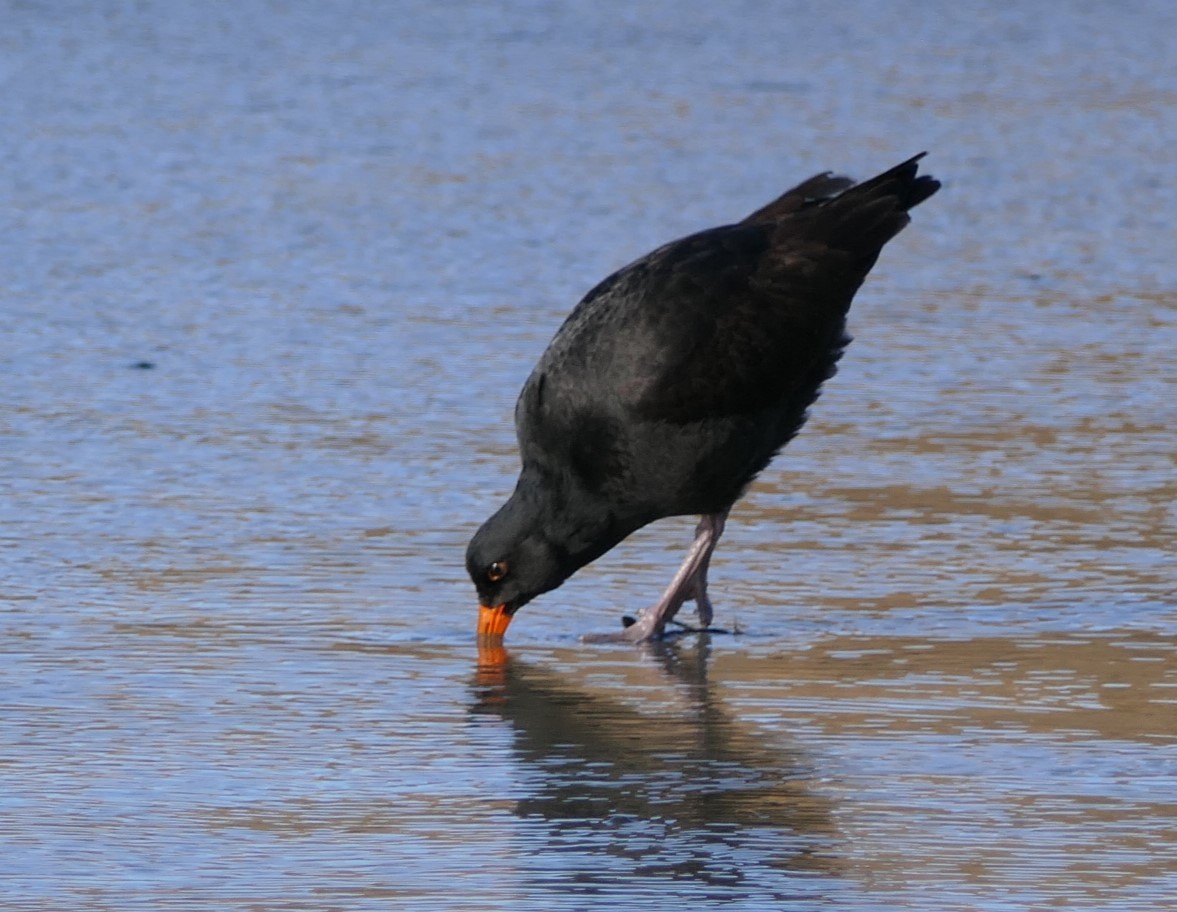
(717, 343)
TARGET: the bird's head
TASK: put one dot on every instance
(511, 563)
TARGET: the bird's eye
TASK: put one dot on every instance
(496, 571)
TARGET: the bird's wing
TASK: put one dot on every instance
(752, 316)
(726, 322)
(702, 328)
(736, 320)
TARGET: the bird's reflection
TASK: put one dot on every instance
(678, 788)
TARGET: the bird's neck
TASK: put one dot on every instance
(579, 524)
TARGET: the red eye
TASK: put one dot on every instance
(496, 571)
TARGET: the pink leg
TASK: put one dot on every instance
(689, 583)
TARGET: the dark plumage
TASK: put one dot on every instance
(675, 381)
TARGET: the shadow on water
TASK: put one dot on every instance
(674, 791)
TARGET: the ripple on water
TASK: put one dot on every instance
(232, 584)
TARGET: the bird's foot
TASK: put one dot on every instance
(641, 630)
(645, 628)
(689, 584)
(652, 624)
(681, 628)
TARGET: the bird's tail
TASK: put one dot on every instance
(876, 208)
(903, 184)
(866, 216)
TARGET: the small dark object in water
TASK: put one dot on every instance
(675, 382)
(143, 365)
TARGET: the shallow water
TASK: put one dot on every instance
(272, 275)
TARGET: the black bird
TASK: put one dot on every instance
(675, 381)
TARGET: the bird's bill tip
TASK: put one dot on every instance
(493, 622)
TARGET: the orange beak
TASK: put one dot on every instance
(493, 622)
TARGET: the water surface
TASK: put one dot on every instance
(271, 277)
